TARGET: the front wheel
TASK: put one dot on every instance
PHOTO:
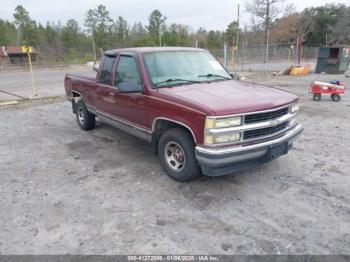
(177, 156)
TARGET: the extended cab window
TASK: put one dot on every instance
(107, 70)
(127, 71)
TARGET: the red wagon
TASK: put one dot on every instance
(334, 88)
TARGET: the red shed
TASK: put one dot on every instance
(17, 57)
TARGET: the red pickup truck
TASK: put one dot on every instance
(198, 119)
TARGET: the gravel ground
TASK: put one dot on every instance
(63, 190)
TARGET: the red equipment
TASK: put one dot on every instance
(333, 88)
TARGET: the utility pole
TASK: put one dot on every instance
(267, 32)
(93, 44)
(235, 48)
(237, 41)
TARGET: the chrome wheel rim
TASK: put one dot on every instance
(81, 116)
(174, 156)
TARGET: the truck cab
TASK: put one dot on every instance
(198, 120)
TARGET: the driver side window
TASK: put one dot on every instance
(127, 71)
(106, 70)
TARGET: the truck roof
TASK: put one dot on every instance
(152, 49)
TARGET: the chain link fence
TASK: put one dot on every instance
(254, 57)
(245, 58)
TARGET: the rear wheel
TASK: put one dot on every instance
(85, 119)
(177, 156)
(317, 97)
(335, 97)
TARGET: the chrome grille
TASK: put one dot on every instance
(256, 133)
(261, 117)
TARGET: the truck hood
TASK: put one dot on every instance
(228, 97)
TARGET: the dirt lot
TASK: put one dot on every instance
(63, 190)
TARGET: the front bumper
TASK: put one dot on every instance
(223, 161)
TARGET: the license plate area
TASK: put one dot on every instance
(278, 150)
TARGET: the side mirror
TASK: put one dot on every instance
(129, 87)
(235, 76)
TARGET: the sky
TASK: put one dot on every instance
(210, 14)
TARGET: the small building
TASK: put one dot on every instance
(333, 59)
(14, 55)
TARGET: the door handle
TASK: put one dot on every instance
(111, 94)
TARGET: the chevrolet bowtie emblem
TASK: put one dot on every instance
(275, 122)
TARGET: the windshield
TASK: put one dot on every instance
(182, 67)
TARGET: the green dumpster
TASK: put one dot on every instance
(333, 59)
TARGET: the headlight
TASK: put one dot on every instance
(223, 122)
(221, 138)
(294, 108)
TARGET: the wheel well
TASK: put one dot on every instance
(75, 94)
(76, 97)
(161, 126)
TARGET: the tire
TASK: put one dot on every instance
(86, 120)
(335, 97)
(317, 97)
(177, 156)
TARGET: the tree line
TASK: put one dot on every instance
(328, 24)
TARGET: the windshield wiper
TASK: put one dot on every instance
(215, 75)
(171, 80)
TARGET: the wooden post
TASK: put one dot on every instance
(35, 92)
